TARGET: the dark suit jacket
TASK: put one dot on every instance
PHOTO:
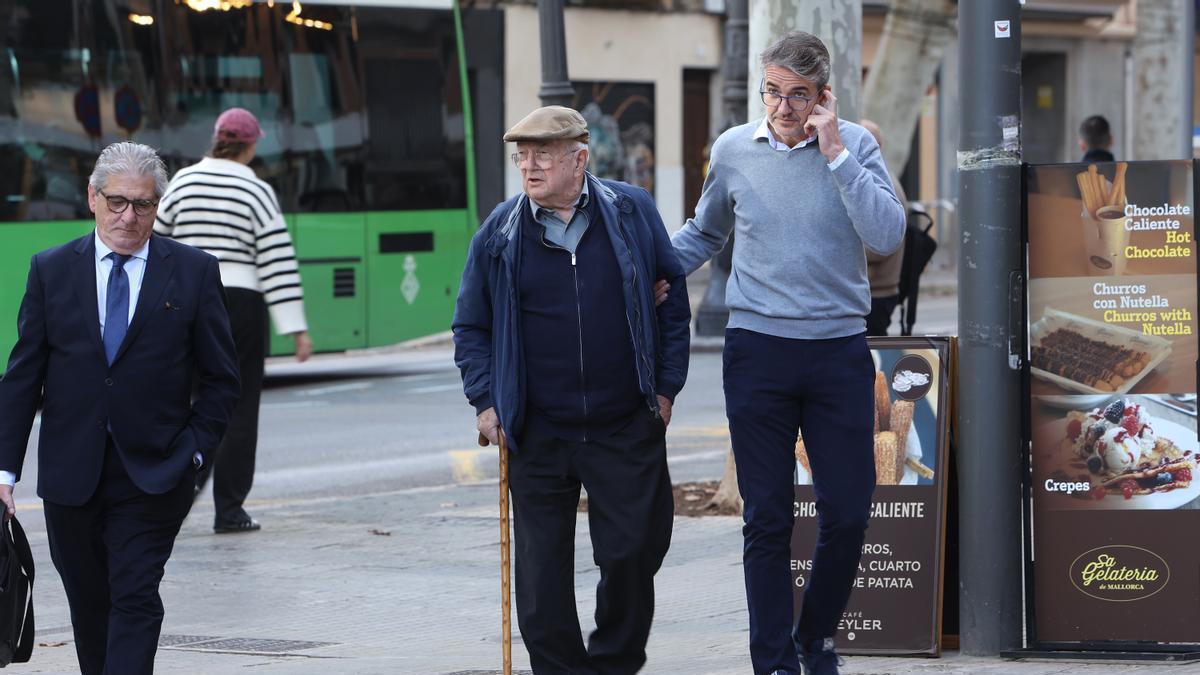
(178, 339)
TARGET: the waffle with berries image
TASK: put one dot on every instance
(1122, 453)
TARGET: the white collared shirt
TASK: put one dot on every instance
(764, 133)
(135, 270)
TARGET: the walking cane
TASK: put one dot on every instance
(505, 589)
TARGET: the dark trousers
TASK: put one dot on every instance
(773, 387)
(630, 515)
(232, 465)
(110, 553)
(880, 318)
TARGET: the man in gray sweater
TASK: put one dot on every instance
(808, 194)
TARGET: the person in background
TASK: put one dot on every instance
(562, 351)
(883, 271)
(1095, 140)
(219, 205)
(124, 342)
(807, 194)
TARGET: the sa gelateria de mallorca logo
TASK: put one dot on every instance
(1120, 573)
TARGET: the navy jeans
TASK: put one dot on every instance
(774, 387)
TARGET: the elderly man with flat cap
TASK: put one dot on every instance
(563, 352)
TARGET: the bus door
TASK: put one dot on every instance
(332, 256)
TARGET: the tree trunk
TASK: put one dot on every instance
(728, 499)
(915, 36)
(1157, 74)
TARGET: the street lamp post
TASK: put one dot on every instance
(990, 326)
(713, 314)
(556, 86)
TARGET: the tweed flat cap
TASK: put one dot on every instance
(548, 124)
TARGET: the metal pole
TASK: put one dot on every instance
(712, 314)
(735, 63)
(556, 86)
(468, 124)
(990, 326)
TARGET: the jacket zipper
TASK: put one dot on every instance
(579, 325)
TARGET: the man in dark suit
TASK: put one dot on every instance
(115, 332)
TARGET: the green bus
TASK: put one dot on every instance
(368, 145)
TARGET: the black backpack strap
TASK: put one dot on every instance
(918, 249)
(24, 647)
(909, 314)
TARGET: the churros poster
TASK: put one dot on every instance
(895, 605)
(1113, 357)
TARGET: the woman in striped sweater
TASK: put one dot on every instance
(220, 206)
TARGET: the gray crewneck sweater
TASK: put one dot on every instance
(799, 264)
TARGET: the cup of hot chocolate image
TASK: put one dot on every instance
(1105, 238)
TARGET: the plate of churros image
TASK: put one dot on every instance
(1090, 357)
(898, 450)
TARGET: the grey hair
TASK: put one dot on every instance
(802, 53)
(132, 159)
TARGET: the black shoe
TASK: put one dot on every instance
(819, 658)
(246, 524)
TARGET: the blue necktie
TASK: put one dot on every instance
(116, 316)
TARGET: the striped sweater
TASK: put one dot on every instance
(220, 206)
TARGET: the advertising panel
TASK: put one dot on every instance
(1113, 357)
(895, 606)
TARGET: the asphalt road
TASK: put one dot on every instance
(351, 433)
(396, 419)
(355, 424)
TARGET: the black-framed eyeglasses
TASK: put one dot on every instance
(774, 98)
(118, 204)
(541, 158)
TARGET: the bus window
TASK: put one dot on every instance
(415, 155)
(364, 146)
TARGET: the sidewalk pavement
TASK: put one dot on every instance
(407, 582)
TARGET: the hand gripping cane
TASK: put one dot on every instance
(505, 587)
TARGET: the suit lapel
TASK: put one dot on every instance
(159, 268)
(85, 289)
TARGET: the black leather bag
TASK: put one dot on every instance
(16, 595)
